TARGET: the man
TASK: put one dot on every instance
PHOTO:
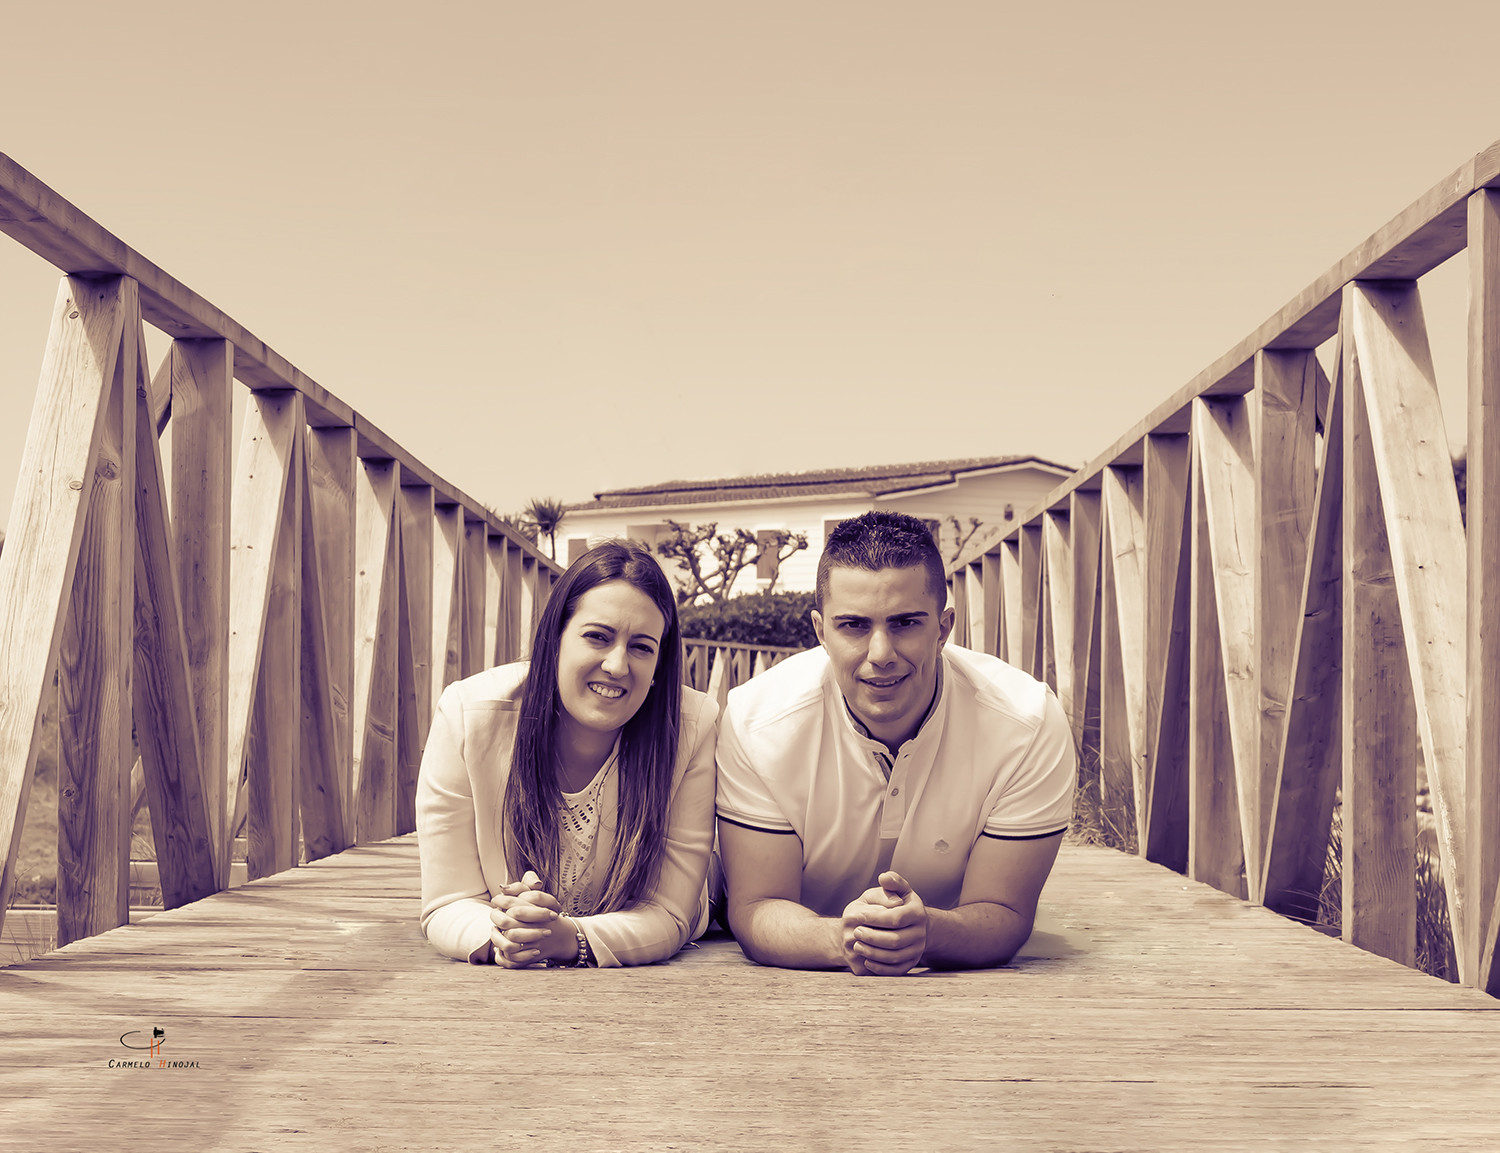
(887, 801)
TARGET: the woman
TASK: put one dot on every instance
(565, 809)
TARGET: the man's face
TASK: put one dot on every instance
(884, 632)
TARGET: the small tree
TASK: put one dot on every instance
(548, 516)
(961, 538)
(710, 560)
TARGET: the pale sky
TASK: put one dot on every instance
(556, 248)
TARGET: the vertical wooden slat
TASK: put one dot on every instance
(414, 661)
(494, 593)
(1031, 598)
(330, 458)
(958, 601)
(94, 671)
(1057, 545)
(511, 605)
(1166, 583)
(1428, 560)
(529, 608)
(1379, 733)
(1085, 518)
(376, 685)
(46, 528)
(1116, 774)
(1010, 603)
(1482, 748)
(990, 580)
(201, 378)
(166, 721)
(475, 562)
(1310, 755)
(1286, 391)
(447, 547)
(1216, 853)
(267, 443)
(273, 747)
(1123, 497)
(1223, 441)
(322, 745)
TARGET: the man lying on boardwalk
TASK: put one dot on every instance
(888, 801)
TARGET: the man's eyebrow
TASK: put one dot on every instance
(850, 617)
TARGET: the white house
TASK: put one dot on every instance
(992, 490)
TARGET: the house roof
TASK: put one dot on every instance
(865, 482)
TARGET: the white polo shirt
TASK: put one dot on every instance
(995, 757)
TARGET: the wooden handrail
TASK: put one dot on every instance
(715, 667)
(273, 635)
(1263, 596)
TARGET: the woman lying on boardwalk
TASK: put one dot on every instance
(565, 809)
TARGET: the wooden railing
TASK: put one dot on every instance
(715, 667)
(1261, 601)
(271, 629)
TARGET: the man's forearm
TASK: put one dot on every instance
(974, 936)
(783, 933)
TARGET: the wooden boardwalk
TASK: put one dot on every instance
(1147, 1012)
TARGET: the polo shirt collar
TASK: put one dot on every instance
(937, 696)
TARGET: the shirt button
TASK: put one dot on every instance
(895, 792)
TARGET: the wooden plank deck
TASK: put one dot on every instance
(1147, 1012)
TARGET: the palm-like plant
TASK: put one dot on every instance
(547, 515)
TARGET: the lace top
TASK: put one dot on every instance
(579, 880)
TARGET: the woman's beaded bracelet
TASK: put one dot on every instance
(584, 953)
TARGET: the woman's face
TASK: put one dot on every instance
(607, 655)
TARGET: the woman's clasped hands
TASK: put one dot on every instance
(525, 918)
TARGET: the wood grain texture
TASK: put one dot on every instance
(1010, 603)
(1116, 770)
(447, 546)
(377, 561)
(494, 598)
(1310, 764)
(414, 661)
(330, 485)
(94, 671)
(1482, 680)
(45, 529)
(990, 581)
(1146, 1013)
(1123, 496)
(201, 378)
(267, 442)
(322, 747)
(1285, 414)
(274, 745)
(516, 636)
(1031, 599)
(1168, 645)
(1085, 517)
(1380, 747)
(166, 716)
(1216, 853)
(1428, 557)
(475, 563)
(529, 609)
(1224, 441)
(1057, 546)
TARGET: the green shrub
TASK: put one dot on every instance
(756, 619)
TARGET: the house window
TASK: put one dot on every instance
(577, 546)
(935, 527)
(830, 525)
(769, 562)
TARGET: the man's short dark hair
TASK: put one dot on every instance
(881, 540)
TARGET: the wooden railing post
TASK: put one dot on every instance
(1483, 511)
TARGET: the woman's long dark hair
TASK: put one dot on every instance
(648, 742)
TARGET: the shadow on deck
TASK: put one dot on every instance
(1146, 1012)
